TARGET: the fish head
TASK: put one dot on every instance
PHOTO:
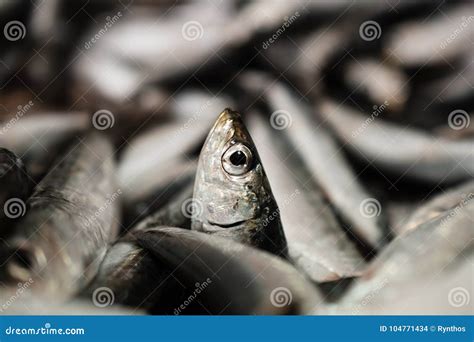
(231, 188)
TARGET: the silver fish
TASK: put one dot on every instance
(239, 279)
(232, 196)
(39, 137)
(406, 151)
(321, 155)
(420, 271)
(431, 42)
(381, 82)
(438, 206)
(14, 185)
(316, 242)
(70, 219)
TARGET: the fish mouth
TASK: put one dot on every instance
(229, 225)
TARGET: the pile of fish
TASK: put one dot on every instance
(236, 157)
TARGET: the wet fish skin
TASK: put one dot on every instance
(439, 205)
(413, 153)
(38, 138)
(134, 276)
(417, 270)
(317, 244)
(240, 279)
(321, 156)
(69, 222)
(14, 181)
(233, 197)
(173, 213)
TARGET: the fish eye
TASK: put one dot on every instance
(237, 160)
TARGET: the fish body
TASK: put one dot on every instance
(13, 184)
(232, 196)
(70, 220)
(221, 276)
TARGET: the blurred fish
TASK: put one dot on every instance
(232, 196)
(439, 205)
(418, 272)
(14, 185)
(175, 213)
(38, 138)
(154, 157)
(403, 150)
(321, 156)
(232, 278)
(133, 276)
(171, 181)
(316, 242)
(379, 81)
(69, 221)
(440, 38)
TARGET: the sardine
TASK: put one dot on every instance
(438, 40)
(380, 82)
(176, 213)
(316, 242)
(321, 156)
(14, 186)
(420, 272)
(405, 151)
(166, 151)
(133, 277)
(238, 279)
(38, 138)
(232, 196)
(69, 221)
(439, 205)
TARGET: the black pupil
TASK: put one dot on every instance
(238, 158)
